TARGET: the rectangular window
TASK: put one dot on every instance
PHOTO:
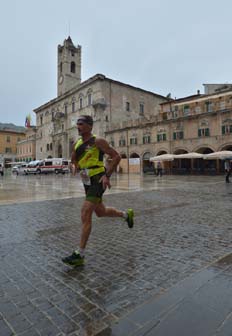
(127, 106)
(165, 116)
(66, 109)
(203, 132)
(186, 110)
(133, 141)
(178, 135)
(226, 129)
(8, 138)
(8, 150)
(146, 139)
(209, 106)
(161, 137)
(122, 142)
(175, 112)
(141, 109)
(222, 105)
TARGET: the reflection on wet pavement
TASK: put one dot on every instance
(17, 189)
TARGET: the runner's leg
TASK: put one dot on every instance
(86, 218)
(102, 211)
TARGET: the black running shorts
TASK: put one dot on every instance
(94, 191)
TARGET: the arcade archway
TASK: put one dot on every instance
(134, 163)
(147, 165)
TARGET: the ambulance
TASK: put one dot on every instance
(54, 165)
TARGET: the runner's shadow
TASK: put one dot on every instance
(71, 272)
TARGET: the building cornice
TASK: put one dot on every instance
(12, 131)
(198, 97)
(97, 77)
(144, 124)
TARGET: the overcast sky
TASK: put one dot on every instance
(164, 46)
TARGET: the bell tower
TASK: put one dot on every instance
(68, 66)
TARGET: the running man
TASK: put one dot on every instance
(87, 157)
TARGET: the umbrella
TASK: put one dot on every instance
(191, 155)
(222, 155)
(163, 157)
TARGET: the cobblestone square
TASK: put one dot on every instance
(182, 224)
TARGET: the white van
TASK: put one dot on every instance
(33, 167)
(54, 165)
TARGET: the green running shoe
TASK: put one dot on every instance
(130, 218)
(74, 259)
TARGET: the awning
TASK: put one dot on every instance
(191, 155)
(163, 157)
(222, 155)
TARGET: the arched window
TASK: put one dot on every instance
(73, 106)
(73, 67)
(80, 102)
(89, 97)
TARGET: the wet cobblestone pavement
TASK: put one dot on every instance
(180, 228)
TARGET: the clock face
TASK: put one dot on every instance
(61, 78)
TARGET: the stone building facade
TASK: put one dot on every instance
(106, 100)
(9, 136)
(200, 123)
(26, 148)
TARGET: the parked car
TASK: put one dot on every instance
(15, 168)
(34, 167)
(1, 169)
(21, 169)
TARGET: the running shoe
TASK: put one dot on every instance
(130, 218)
(74, 259)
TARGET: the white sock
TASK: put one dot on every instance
(82, 252)
(124, 214)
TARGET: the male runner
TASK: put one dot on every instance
(87, 157)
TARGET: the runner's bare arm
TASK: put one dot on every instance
(74, 165)
(103, 145)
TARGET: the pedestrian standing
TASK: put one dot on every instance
(159, 169)
(87, 157)
(227, 170)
